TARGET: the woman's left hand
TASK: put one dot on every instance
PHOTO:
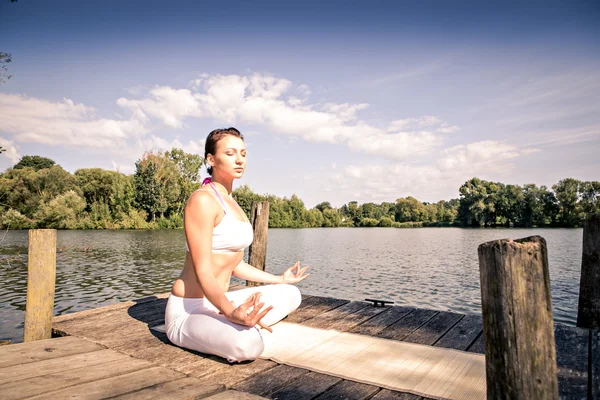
(291, 276)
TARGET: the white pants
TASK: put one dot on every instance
(195, 323)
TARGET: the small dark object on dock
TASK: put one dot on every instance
(5, 342)
(379, 303)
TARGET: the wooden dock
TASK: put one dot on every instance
(111, 352)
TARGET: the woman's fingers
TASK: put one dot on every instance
(267, 327)
(259, 316)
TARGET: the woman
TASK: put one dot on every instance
(201, 315)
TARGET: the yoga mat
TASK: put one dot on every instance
(428, 371)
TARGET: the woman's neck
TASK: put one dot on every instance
(223, 184)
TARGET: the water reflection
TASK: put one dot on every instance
(433, 268)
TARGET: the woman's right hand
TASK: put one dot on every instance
(249, 313)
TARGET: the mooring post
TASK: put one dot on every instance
(518, 328)
(257, 253)
(588, 315)
(40, 284)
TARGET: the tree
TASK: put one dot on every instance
(567, 193)
(35, 162)
(323, 206)
(188, 166)
(61, 212)
(5, 58)
(156, 183)
(410, 209)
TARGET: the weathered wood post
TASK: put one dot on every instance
(257, 253)
(517, 319)
(40, 284)
(588, 315)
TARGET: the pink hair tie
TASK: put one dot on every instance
(206, 181)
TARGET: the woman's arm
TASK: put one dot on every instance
(199, 219)
(250, 273)
(200, 214)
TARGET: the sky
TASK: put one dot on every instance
(338, 101)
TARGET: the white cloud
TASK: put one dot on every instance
(304, 90)
(11, 150)
(377, 182)
(28, 119)
(164, 103)
(414, 123)
(264, 100)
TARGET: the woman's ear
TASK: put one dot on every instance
(210, 160)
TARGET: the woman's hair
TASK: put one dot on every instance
(210, 147)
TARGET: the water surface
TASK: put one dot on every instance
(434, 268)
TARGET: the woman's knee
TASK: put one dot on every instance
(248, 346)
(293, 296)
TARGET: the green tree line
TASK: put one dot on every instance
(38, 193)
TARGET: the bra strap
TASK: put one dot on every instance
(212, 185)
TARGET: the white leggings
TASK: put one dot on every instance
(195, 323)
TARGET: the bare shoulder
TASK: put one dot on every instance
(201, 201)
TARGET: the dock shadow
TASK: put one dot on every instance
(151, 311)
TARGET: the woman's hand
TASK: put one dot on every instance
(249, 313)
(291, 276)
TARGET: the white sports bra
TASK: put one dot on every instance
(230, 235)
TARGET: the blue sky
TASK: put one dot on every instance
(340, 101)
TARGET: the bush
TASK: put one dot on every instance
(174, 221)
(61, 212)
(408, 225)
(12, 219)
(370, 222)
(135, 219)
(385, 222)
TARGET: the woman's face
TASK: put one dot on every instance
(230, 157)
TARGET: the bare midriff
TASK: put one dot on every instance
(187, 285)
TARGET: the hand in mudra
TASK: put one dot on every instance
(295, 274)
(249, 313)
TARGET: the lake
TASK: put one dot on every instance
(434, 268)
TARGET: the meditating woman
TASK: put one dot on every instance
(201, 314)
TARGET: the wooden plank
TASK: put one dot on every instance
(115, 385)
(33, 369)
(434, 329)
(270, 381)
(112, 307)
(461, 335)
(478, 346)
(408, 324)
(314, 306)
(349, 390)
(101, 323)
(152, 348)
(41, 276)
(306, 387)
(22, 353)
(373, 326)
(234, 395)
(595, 361)
(180, 389)
(572, 349)
(386, 394)
(236, 373)
(345, 317)
(51, 382)
(333, 317)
